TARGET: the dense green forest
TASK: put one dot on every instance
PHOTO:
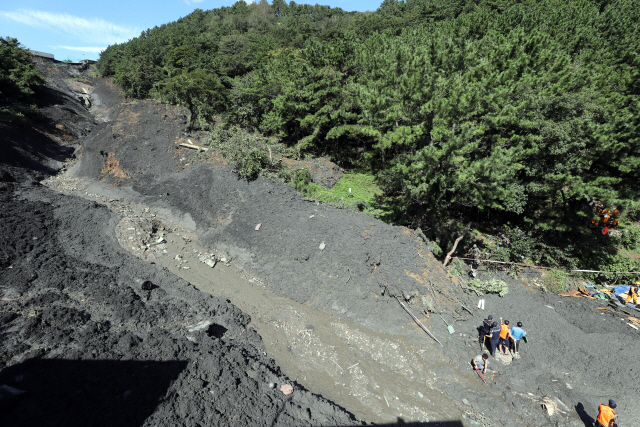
(18, 79)
(502, 113)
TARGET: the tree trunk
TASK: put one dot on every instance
(455, 245)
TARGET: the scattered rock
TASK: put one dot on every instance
(286, 389)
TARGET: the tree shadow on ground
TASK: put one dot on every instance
(85, 392)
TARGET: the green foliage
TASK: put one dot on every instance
(354, 191)
(556, 281)
(478, 110)
(251, 164)
(492, 286)
(629, 238)
(200, 92)
(301, 178)
(18, 75)
(251, 154)
(457, 267)
(612, 262)
(14, 115)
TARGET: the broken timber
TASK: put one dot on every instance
(418, 321)
(193, 147)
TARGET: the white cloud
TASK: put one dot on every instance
(81, 49)
(91, 30)
(192, 1)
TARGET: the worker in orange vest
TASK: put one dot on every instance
(505, 337)
(606, 415)
(633, 293)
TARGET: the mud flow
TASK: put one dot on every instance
(127, 255)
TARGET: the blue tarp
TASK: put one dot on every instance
(621, 289)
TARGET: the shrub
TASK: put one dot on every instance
(252, 154)
(556, 281)
(300, 179)
(629, 238)
(251, 164)
(457, 267)
(492, 286)
(614, 263)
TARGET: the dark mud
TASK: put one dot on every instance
(91, 335)
(576, 358)
(363, 261)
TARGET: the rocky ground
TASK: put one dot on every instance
(145, 258)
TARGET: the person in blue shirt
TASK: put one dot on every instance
(517, 333)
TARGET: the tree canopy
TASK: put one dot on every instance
(18, 75)
(507, 109)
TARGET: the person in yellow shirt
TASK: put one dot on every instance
(606, 415)
(633, 293)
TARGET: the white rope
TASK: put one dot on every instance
(547, 268)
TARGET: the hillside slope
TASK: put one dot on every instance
(75, 290)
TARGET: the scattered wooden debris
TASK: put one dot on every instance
(418, 321)
(579, 293)
(193, 147)
(634, 320)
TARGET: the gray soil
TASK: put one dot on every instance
(106, 276)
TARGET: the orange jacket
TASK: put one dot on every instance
(504, 331)
(606, 414)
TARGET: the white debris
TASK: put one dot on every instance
(199, 326)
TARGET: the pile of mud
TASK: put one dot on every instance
(353, 267)
(100, 288)
(338, 261)
(91, 335)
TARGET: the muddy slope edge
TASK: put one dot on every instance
(363, 266)
(91, 335)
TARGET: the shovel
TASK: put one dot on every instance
(481, 377)
(449, 327)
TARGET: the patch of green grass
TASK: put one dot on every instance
(362, 196)
(556, 281)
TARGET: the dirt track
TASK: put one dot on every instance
(328, 317)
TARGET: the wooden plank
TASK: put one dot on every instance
(193, 147)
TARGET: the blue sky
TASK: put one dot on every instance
(74, 29)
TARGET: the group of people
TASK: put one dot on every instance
(604, 218)
(501, 336)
